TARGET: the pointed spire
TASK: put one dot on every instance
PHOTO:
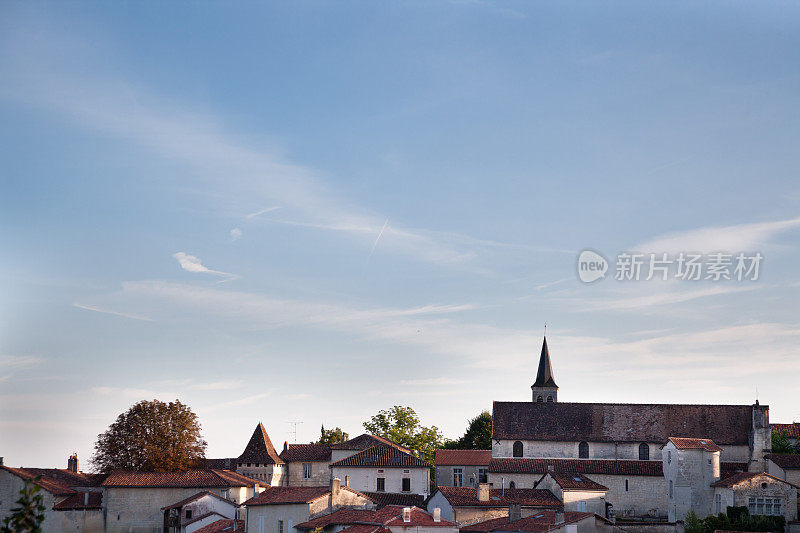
(260, 449)
(544, 377)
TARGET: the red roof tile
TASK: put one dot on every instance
(463, 457)
(393, 498)
(391, 515)
(197, 496)
(575, 482)
(186, 479)
(281, 495)
(364, 441)
(79, 501)
(606, 422)
(53, 486)
(792, 430)
(741, 477)
(520, 465)
(538, 523)
(685, 443)
(383, 456)
(222, 526)
(785, 460)
(260, 449)
(306, 452)
(468, 497)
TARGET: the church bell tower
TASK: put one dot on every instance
(544, 388)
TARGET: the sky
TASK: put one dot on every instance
(304, 212)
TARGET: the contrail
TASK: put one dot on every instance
(375, 244)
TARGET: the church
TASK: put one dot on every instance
(629, 449)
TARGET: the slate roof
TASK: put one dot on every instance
(391, 515)
(607, 422)
(394, 498)
(463, 457)
(544, 376)
(77, 501)
(222, 526)
(306, 453)
(184, 479)
(364, 441)
(382, 456)
(792, 430)
(538, 523)
(519, 465)
(741, 477)
(468, 497)
(683, 443)
(789, 461)
(575, 481)
(197, 496)
(260, 449)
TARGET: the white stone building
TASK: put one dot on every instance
(462, 468)
(384, 468)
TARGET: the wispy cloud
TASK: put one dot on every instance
(236, 234)
(110, 312)
(441, 381)
(661, 298)
(191, 263)
(262, 212)
(18, 361)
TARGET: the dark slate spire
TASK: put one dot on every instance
(260, 449)
(544, 377)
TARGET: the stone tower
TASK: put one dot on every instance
(544, 388)
(260, 461)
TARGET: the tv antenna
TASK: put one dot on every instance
(294, 429)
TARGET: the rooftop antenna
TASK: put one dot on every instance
(294, 430)
(545, 329)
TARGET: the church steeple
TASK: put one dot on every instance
(544, 388)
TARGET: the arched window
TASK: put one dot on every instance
(512, 485)
(539, 399)
(583, 450)
(644, 452)
(549, 399)
(517, 452)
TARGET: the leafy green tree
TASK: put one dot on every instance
(478, 435)
(693, 524)
(151, 436)
(332, 436)
(781, 442)
(401, 425)
(28, 516)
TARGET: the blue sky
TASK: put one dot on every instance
(310, 211)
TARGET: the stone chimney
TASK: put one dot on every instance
(560, 516)
(437, 514)
(336, 485)
(483, 492)
(86, 499)
(760, 438)
(514, 512)
(406, 514)
(1, 461)
(72, 463)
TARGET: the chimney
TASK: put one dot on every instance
(285, 445)
(72, 462)
(346, 481)
(483, 492)
(406, 514)
(86, 499)
(335, 486)
(560, 516)
(514, 512)
(437, 514)
(1, 461)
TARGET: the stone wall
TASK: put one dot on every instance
(772, 489)
(320, 474)
(365, 479)
(444, 475)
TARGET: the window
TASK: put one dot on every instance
(260, 524)
(512, 485)
(626, 485)
(539, 399)
(669, 456)
(381, 484)
(583, 450)
(517, 451)
(718, 503)
(406, 484)
(483, 475)
(458, 477)
(306, 470)
(280, 526)
(671, 494)
(581, 506)
(644, 452)
(188, 514)
(764, 506)
(549, 399)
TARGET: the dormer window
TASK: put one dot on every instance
(583, 450)
(517, 451)
(644, 452)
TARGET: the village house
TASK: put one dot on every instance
(792, 431)
(545, 522)
(785, 466)
(260, 461)
(279, 509)
(468, 505)
(388, 519)
(576, 491)
(307, 465)
(462, 468)
(198, 511)
(384, 468)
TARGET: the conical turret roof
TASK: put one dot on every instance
(544, 377)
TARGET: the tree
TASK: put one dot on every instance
(401, 425)
(478, 435)
(332, 436)
(693, 524)
(151, 436)
(781, 442)
(29, 514)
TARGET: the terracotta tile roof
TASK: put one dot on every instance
(366, 528)
(260, 449)
(792, 430)
(538, 523)
(468, 497)
(728, 468)
(393, 498)
(186, 479)
(603, 422)
(519, 465)
(685, 443)
(306, 452)
(741, 477)
(785, 460)
(222, 526)
(575, 481)
(79, 501)
(364, 441)
(47, 483)
(383, 456)
(281, 495)
(463, 457)
(391, 515)
(197, 496)
(203, 517)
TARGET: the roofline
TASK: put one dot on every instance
(641, 404)
(716, 483)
